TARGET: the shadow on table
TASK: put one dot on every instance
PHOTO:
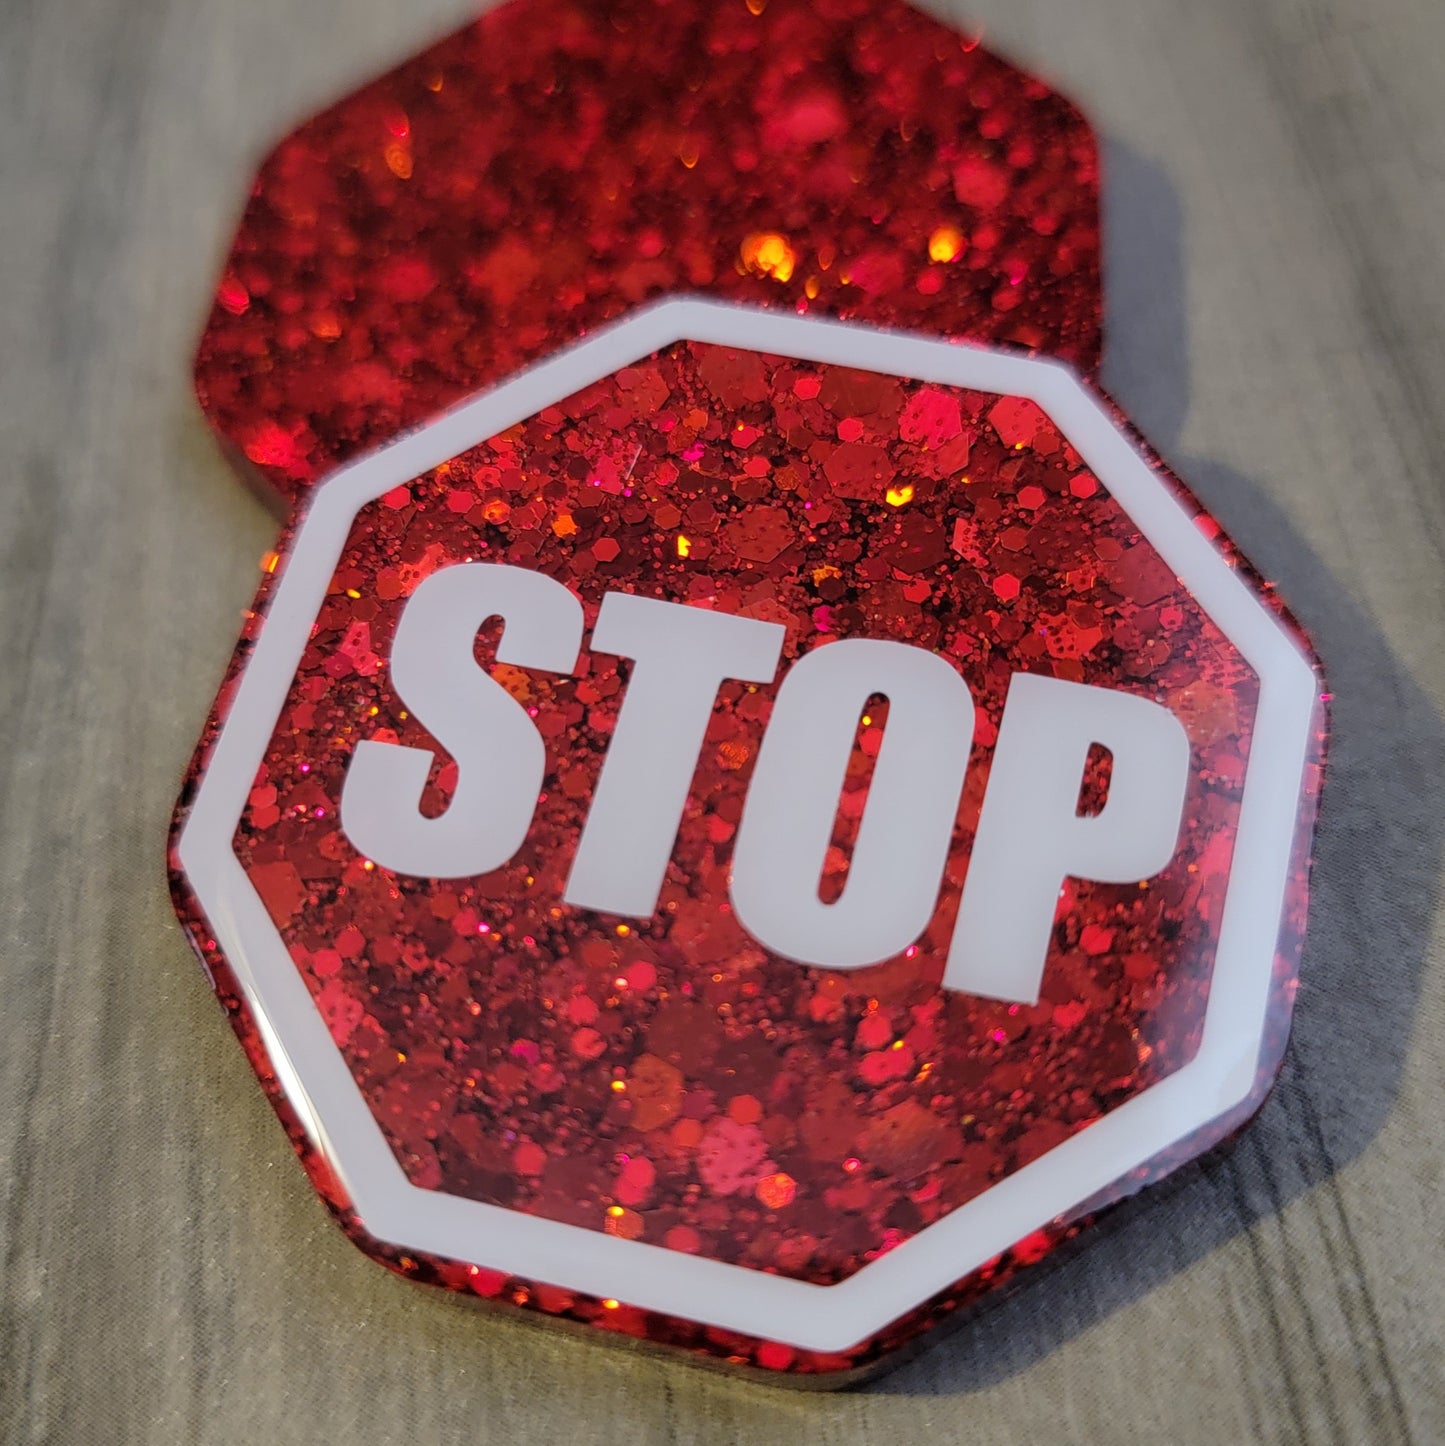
(1377, 871)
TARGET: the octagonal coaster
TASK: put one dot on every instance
(555, 164)
(750, 831)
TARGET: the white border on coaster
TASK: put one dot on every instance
(824, 1318)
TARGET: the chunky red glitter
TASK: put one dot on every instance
(669, 1080)
(555, 165)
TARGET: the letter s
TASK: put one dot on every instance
(499, 754)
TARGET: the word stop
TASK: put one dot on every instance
(1030, 838)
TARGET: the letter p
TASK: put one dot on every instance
(1031, 836)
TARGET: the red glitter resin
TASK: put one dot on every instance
(566, 1063)
(555, 165)
(668, 1081)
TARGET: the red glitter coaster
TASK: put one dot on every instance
(556, 165)
(584, 844)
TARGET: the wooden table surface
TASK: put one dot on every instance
(1276, 212)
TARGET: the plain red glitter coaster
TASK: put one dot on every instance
(555, 165)
(822, 1077)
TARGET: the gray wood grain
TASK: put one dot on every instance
(1276, 202)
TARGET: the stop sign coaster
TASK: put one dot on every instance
(753, 827)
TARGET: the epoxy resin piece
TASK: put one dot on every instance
(558, 164)
(748, 831)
